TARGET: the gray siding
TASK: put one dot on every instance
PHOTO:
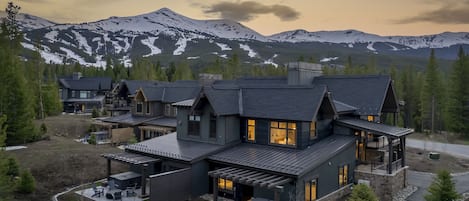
(200, 178)
(327, 173)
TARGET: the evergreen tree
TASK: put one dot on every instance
(362, 192)
(183, 72)
(442, 188)
(170, 71)
(26, 183)
(5, 181)
(431, 97)
(458, 105)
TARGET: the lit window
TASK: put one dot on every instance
(311, 189)
(225, 184)
(251, 130)
(371, 118)
(283, 133)
(139, 107)
(194, 125)
(343, 175)
(312, 130)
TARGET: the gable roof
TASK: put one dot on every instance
(134, 85)
(171, 92)
(87, 83)
(284, 160)
(273, 102)
(365, 92)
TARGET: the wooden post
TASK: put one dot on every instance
(141, 134)
(144, 179)
(390, 155)
(215, 189)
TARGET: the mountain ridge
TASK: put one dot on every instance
(165, 33)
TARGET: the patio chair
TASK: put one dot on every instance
(130, 191)
(97, 191)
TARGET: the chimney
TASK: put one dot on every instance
(76, 75)
(207, 79)
(302, 73)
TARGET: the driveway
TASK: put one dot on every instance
(451, 149)
(423, 179)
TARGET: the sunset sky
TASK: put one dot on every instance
(383, 17)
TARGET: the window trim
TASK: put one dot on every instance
(315, 130)
(287, 128)
(193, 118)
(247, 130)
(141, 108)
(309, 183)
(345, 178)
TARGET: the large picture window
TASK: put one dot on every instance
(343, 175)
(251, 130)
(311, 190)
(139, 107)
(225, 184)
(312, 130)
(194, 125)
(283, 133)
(85, 94)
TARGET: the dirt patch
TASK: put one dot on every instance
(61, 162)
(418, 160)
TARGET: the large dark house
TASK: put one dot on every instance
(123, 94)
(302, 137)
(83, 94)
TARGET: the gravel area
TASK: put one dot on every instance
(404, 193)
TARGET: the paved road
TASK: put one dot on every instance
(452, 149)
(423, 179)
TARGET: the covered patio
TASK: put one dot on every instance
(130, 179)
(375, 138)
(250, 178)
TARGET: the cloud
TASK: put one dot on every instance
(450, 12)
(248, 10)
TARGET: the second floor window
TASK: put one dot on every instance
(370, 118)
(312, 130)
(343, 175)
(139, 107)
(194, 125)
(251, 130)
(85, 94)
(283, 133)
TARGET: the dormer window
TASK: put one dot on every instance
(283, 133)
(139, 107)
(194, 125)
(148, 107)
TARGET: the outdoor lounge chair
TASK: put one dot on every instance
(97, 191)
(130, 191)
(118, 195)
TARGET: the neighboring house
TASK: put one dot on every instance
(83, 94)
(151, 113)
(304, 137)
(124, 92)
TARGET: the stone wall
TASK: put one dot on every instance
(338, 194)
(385, 186)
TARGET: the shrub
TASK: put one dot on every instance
(442, 188)
(132, 140)
(13, 170)
(95, 113)
(26, 184)
(362, 192)
(43, 128)
(92, 139)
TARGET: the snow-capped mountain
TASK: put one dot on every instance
(351, 37)
(167, 36)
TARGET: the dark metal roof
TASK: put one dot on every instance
(373, 127)
(134, 85)
(184, 103)
(343, 108)
(365, 92)
(131, 158)
(284, 160)
(168, 146)
(171, 93)
(250, 177)
(87, 83)
(164, 121)
(290, 103)
(273, 101)
(128, 119)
